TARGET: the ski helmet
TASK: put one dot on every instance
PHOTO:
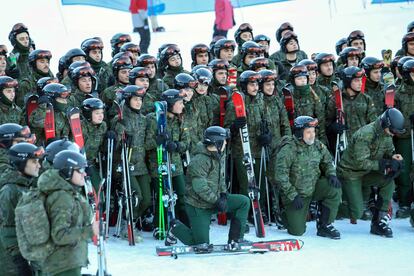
(407, 69)
(42, 82)
(324, 58)
(266, 76)
(244, 27)
(62, 66)
(216, 136)
(7, 82)
(75, 52)
(195, 68)
(91, 44)
(117, 39)
(371, 63)
(57, 146)
(401, 62)
(223, 44)
(171, 96)
(75, 65)
(183, 81)
(288, 36)
(168, 52)
(38, 54)
(89, 105)
(261, 37)
(17, 29)
(355, 35)
(410, 27)
(407, 38)
(350, 73)
(259, 62)
(393, 119)
(119, 64)
(131, 47)
(339, 44)
(298, 71)
(250, 48)
(3, 50)
(219, 64)
(55, 90)
(21, 152)
(138, 72)
(283, 27)
(10, 131)
(203, 75)
(246, 77)
(350, 52)
(301, 123)
(67, 161)
(83, 71)
(146, 59)
(310, 64)
(199, 49)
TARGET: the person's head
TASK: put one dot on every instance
(249, 51)
(200, 54)
(24, 157)
(224, 49)
(352, 78)
(392, 122)
(357, 39)
(203, 76)
(283, 28)
(8, 88)
(243, 33)
(372, 67)
(408, 72)
(3, 59)
(117, 41)
(57, 146)
(133, 49)
(57, 92)
(408, 43)
(340, 45)
(84, 79)
(139, 76)
(150, 63)
(312, 68)
(220, 70)
(121, 68)
(326, 64)
(351, 56)
(249, 82)
(267, 83)
(175, 103)
(304, 129)
(259, 63)
(19, 36)
(170, 57)
(11, 134)
(215, 139)
(71, 166)
(93, 110)
(73, 55)
(186, 84)
(133, 95)
(298, 75)
(93, 50)
(264, 41)
(289, 43)
(39, 61)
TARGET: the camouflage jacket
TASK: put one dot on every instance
(170, 74)
(404, 101)
(376, 92)
(11, 114)
(326, 82)
(27, 86)
(93, 136)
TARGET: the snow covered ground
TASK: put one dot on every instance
(318, 26)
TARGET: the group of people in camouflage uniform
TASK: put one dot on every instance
(117, 99)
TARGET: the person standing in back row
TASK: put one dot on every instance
(224, 18)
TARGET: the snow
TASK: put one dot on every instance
(318, 26)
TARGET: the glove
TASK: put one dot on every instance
(172, 146)
(162, 138)
(384, 165)
(395, 169)
(221, 203)
(43, 100)
(338, 128)
(239, 123)
(13, 72)
(110, 134)
(334, 181)
(22, 266)
(265, 139)
(297, 202)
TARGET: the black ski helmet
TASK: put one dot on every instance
(75, 65)
(183, 81)
(75, 52)
(261, 37)
(223, 44)
(250, 47)
(216, 136)
(119, 64)
(298, 71)
(203, 75)
(283, 27)
(246, 77)
(10, 131)
(350, 52)
(339, 44)
(350, 73)
(38, 54)
(407, 69)
(259, 62)
(130, 91)
(410, 27)
(116, 39)
(401, 62)
(288, 36)
(138, 72)
(199, 49)
(55, 90)
(131, 47)
(371, 63)
(244, 27)
(324, 58)
(42, 82)
(57, 146)
(146, 59)
(8, 82)
(67, 161)
(171, 96)
(17, 29)
(301, 123)
(407, 38)
(393, 119)
(90, 105)
(355, 35)
(21, 152)
(195, 68)
(219, 64)
(310, 64)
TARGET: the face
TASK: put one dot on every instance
(3, 63)
(410, 48)
(187, 93)
(78, 178)
(202, 58)
(312, 77)
(32, 167)
(246, 36)
(265, 45)
(201, 88)
(9, 93)
(144, 82)
(249, 58)
(152, 70)
(221, 76)
(301, 81)
(353, 61)
(227, 54)
(309, 135)
(96, 55)
(178, 107)
(62, 100)
(135, 56)
(97, 116)
(252, 88)
(356, 84)
(123, 76)
(85, 84)
(42, 65)
(78, 58)
(292, 46)
(375, 75)
(268, 87)
(358, 43)
(174, 61)
(135, 102)
(23, 39)
(327, 69)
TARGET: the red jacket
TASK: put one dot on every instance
(136, 5)
(224, 15)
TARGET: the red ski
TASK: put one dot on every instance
(49, 126)
(341, 141)
(31, 105)
(289, 104)
(364, 81)
(232, 76)
(389, 96)
(254, 192)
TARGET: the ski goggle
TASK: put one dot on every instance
(172, 49)
(328, 58)
(227, 44)
(378, 65)
(204, 80)
(11, 84)
(201, 49)
(408, 37)
(39, 153)
(124, 38)
(245, 27)
(95, 46)
(80, 170)
(254, 78)
(85, 72)
(44, 54)
(122, 62)
(254, 51)
(221, 64)
(356, 35)
(64, 95)
(359, 74)
(148, 60)
(260, 62)
(19, 28)
(313, 123)
(286, 26)
(133, 49)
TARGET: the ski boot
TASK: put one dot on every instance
(313, 211)
(325, 229)
(159, 30)
(379, 224)
(403, 212)
(170, 239)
